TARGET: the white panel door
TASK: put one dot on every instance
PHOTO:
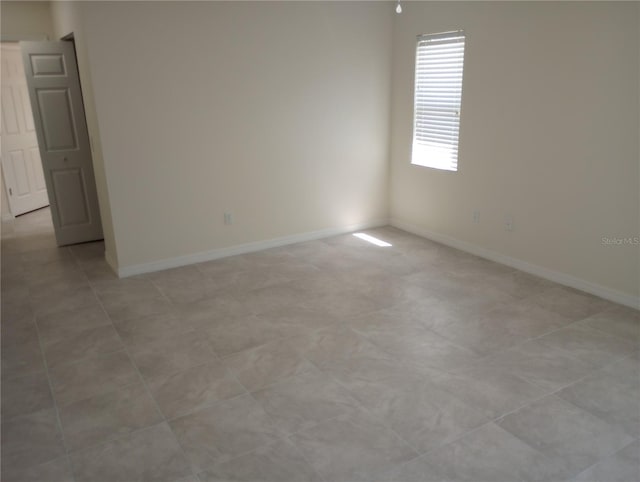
(56, 98)
(23, 175)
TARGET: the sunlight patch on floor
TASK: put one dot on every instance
(372, 240)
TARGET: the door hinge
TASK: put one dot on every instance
(10, 192)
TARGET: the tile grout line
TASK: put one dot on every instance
(205, 407)
(217, 402)
(53, 397)
(592, 368)
(359, 405)
(530, 402)
(50, 383)
(286, 436)
(77, 362)
(502, 350)
(271, 419)
(115, 439)
(527, 404)
(192, 467)
(635, 440)
(144, 384)
(602, 332)
(227, 370)
(247, 393)
(497, 419)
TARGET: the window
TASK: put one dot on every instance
(437, 100)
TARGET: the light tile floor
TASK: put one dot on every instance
(332, 360)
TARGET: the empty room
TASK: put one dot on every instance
(328, 241)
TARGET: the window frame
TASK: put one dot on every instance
(447, 161)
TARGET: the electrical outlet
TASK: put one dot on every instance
(476, 216)
(508, 222)
(228, 218)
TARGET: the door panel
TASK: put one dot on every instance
(19, 169)
(69, 187)
(25, 106)
(9, 111)
(57, 120)
(52, 64)
(54, 90)
(24, 178)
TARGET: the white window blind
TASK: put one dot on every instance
(437, 100)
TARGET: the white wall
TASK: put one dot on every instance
(276, 112)
(549, 135)
(22, 21)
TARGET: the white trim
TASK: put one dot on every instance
(125, 271)
(552, 275)
(112, 263)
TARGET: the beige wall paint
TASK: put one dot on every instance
(549, 135)
(25, 20)
(22, 21)
(275, 112)
(67, 17)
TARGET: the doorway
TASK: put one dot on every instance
(23, 184)
(53, 165)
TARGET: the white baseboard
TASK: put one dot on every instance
(551, 275)
(125, 271)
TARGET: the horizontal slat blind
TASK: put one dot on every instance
(437, 101)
